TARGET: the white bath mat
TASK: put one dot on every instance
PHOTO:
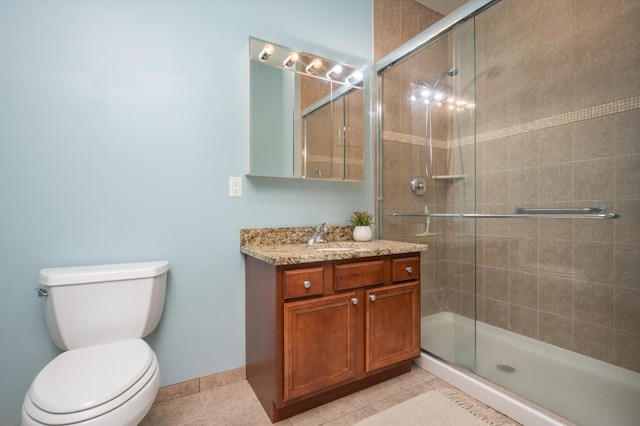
(428, 409)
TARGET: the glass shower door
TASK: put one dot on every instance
(427, 157)
(517, 131)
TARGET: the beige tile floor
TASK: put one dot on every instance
(236, 404)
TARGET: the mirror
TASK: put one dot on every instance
(307, 115)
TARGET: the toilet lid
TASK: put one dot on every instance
(81, 379)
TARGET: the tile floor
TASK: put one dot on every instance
(236, 404)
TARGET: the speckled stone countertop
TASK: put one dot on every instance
(288, 246)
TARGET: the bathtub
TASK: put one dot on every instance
(568, 385)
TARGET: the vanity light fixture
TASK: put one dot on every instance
(313, 66)
(333, 72)
(291, 60)
(266, 52)
(354, 78)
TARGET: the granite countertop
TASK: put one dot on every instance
(282, 246)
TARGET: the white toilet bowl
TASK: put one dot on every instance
(98, 314)
(110, 384)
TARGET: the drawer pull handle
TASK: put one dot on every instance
(354, 300)
(307, 284)
(409, 269)
(372, 297)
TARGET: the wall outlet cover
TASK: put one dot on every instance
(235, 187)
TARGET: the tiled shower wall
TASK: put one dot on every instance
(558, 124)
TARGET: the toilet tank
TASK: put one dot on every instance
(92, 305)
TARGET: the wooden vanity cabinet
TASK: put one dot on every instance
(319, 344)
(317, 332)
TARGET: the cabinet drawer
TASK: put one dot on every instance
(406, 268)
(360, 274)
(303, 282)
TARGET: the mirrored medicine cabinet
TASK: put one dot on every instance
(307, 115)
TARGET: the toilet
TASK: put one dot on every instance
(98, 315)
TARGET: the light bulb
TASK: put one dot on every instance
(313, 66)
(266, 53)
(291, 60)
(354, 78)
(333, 72)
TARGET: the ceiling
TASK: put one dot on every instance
(442, 6)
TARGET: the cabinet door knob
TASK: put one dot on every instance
(372, 297)
(354, 300)
(307, 284)
(409, 269)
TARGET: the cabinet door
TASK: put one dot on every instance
(392, 326)
(319, 343)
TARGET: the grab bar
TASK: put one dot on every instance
(576, 210)
(596, 212)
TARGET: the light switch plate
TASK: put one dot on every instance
(235, 186)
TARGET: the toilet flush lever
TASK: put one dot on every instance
(42, 292)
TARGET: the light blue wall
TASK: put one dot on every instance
(121, 122)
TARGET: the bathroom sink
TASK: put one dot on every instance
(335, 249)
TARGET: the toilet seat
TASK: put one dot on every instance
(86, 383)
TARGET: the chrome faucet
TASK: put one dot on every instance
(320, 236)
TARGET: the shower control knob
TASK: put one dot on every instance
(307, 284)
(409, 269)
(372, 297)
(354, 300)
(418, 186)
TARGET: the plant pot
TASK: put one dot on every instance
(362, 233)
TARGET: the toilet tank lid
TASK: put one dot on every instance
(100, 273)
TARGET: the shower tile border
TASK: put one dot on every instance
(412, 140)
(609, 108)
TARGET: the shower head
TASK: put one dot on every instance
(428, 92)
(451, 72)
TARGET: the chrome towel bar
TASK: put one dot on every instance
(595, 212)
(599, 209)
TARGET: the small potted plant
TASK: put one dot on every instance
(362, 221)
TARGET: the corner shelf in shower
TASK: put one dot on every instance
(448, 177)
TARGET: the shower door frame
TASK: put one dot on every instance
(435, 33)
